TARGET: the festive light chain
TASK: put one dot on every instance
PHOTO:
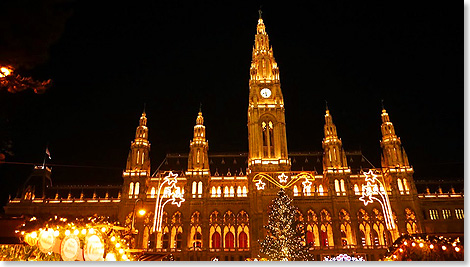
(56, 229)
(283, 180)
(425, 246)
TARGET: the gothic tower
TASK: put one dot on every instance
(138, 163)
(393, 155)
(198, 160)
(334, 157)
(266, 121)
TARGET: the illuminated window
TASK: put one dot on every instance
(343, 188)
(226, 194)
(131, 189)
(374, 238)
(199, 189)
(215, 240)
(307, 191)
(433, 214)
(152, 192)
(320, 190)
(268, 139)
(194, 189)
(213, 192)
(356, 190)
(239, 191)
(446, 214)
(197, 157)
(229, 238)
(400, 185)
(165, 240)
(245, 191)
(405, 185)
(136, 189)
(219, 191)
(143, 156)
(179, 240)
(138, 157)
(310, 239)
(459, 214)
(232, 191)
(296, 191)
(344, 240)
(243, 240)
(197, 243)
(362, 237)
(337, 189)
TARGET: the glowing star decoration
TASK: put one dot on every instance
(171, 193)
(260, 185)
(307, 184)
(282, 178)
(375, 190)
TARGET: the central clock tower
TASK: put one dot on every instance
(266, 121)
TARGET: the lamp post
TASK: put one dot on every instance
(141, 212)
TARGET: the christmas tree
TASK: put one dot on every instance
(285, 239)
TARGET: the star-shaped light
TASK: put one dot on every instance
(307, 184)
(370, 176)
(260, 185)
(282, 178)
(366, 199)
(171, 178)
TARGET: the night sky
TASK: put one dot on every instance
(107, 59)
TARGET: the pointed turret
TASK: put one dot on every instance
(393, 155)
(334, 156)
(198, 159)
(138, 159)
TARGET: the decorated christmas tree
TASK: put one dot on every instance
(285, 239)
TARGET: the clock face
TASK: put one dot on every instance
(265, 92)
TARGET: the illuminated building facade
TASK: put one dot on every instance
(227, 195)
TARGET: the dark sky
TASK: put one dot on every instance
(109, 58)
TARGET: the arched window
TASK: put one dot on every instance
(268, 138)
(143, 156)
(226, 191)
(131, 189)
(136, 189)
(213, 192)
(245, 191)
(229, 240)
(307, 191)
(152, 192)
(337, 189)
(344, 239)
(320, 190)
(323, 237)
(194, 189)
(239, 191)
(362, 238)
(165, 240)
(374, 237)
(199, 189)
(356, 190)
(405, 185)
(197, 243)
(296, 191)
(242, 240)
(400, 185)
(343, 188)
(309, 238)
(138, 157)
(232, 191)
(219, 191)
(179, 240)
(215, 240)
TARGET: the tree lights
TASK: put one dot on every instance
(285, 239)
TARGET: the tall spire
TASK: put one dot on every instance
(139, 158)
(334, 156)
(393, 155)
(198, 158)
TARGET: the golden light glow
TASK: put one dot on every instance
(457, 249)
(103, 229)
(76, 232)
(421, 245)
(124, 257)
(67, 232)
(113, 238)
(84, 232)
(5, 71)
(431, 246)
(118, 245)
(142, 212)
(34, 234)
(444, 247)
(91, 231)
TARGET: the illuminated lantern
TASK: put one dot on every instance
(46, 241)
(70, 248)
(94, 248)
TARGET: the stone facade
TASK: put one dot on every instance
(227, 195)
